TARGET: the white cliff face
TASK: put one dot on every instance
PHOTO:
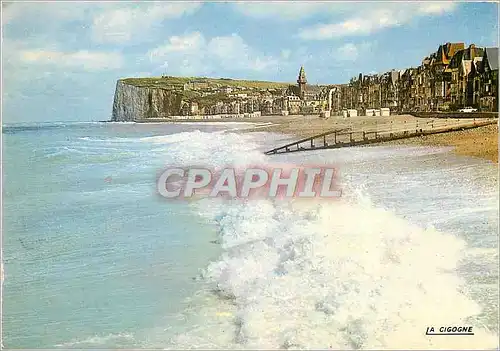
(133, 103)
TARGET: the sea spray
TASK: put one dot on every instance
(309, 286)
(348, 274)
(337, 275)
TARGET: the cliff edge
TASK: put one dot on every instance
(135, 103)
(139, 99)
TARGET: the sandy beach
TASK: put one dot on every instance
(478, 142)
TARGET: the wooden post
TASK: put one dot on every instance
(350, 137)
(312, 143)
(364, 135)
(335, 137)
(324, 140)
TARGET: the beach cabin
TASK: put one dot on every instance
(352, 113)
(385, 111)
(369, 112)
(324, 114)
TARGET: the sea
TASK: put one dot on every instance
(94, 258)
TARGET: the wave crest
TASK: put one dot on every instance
(339, 275)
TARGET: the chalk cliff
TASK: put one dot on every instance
(139, 99)
(133, 103)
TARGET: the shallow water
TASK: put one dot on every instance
(94, 258)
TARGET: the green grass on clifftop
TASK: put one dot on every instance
(178, 82)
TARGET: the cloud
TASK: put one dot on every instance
(42, 11)
(187, 43)
(284, 10)
(124, 23)
(192, 53)
(436, 8)
(351, 52)
(109, 22)
(392, 15)
(83, 59)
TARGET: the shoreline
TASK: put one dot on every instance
(481, 142)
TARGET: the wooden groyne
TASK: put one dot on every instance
(348, 137)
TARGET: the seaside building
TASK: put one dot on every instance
(306, 98)
(450, 78)
(488, 73)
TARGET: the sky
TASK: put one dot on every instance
(61, 60)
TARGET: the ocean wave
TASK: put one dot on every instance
(252, 126)
(110, 339)
(332, 275)
(12, 128)
(62, 151)
(208, 149)
(173, 138)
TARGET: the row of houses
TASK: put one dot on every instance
(450, 78)
(454, 76)
(266, 106)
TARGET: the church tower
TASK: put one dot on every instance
(302, 81)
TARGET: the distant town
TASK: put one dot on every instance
(453, 77)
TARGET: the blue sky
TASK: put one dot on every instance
(61, 60)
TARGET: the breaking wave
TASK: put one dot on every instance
(110, 339)
(337, 275)
(309, 274)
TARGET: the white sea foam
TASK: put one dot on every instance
(340, 275)
(178, 137)
(98, 340)
(209, 149)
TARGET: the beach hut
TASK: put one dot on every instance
(385, 111)
(352, 113)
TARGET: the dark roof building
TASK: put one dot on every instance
(490, 59)
(447, 51)
(468, 54)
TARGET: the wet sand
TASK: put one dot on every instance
(478, 142)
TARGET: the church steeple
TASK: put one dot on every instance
(302, 76)
(302, 81)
